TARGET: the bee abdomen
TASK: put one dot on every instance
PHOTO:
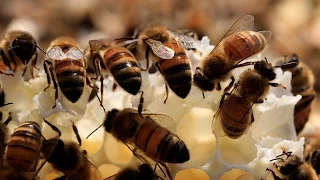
(71, 79)
(234, 126)
(23, 147)
(128, 75)
(160, 144)
(251, 41)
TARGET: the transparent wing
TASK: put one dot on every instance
(243, 24)
(186, 41)
(94, 172)
(139, 153)
(246, 176)
(163, 120)
(159, 49)
(96, 45)
(56, 53)
(75, 53)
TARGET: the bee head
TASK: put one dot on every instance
(266, 69)
(23, 47)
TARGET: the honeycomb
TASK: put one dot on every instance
(211, 157)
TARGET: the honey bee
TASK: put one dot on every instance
(237, 44)
(69, 159)
(22, 157)
(119, 61)
(144, 172)
(66, 68)
(141, 132)
(235, 110)
(169, 56)
(302, 83)
(292, 168)
(17, 49)
(311, 152)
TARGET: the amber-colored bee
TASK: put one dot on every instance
(293, 168)
(69, 159)
(23, 151)
(302, 83)
(66, 68)
(176, 71)
(119, 61)
(17, 49)
(235, 111)
(144, 172)
(311, 152)
(169, 55)
(237, 44)
(142, 132)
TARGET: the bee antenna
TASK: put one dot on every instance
(101, 105)
(94, 131)
(40, 48)
(75, 130)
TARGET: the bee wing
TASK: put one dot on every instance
(138, 153)
(186, 41)
(74, 53)
(243, 24)
(96, 45)
(246, 176)
(159, 49)
(238, 112)
(56, 53)
(95, 173)
(163, 120)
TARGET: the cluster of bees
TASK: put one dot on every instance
(68, 69)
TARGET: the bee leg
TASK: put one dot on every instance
(243, 64)
(147, 59)
(76, 132)
(275, 177)
(218, 86)
(6, 122)
(230, 85)
(114, 86)
(223, 98)
(46, 70)
(259, 101)
(34, 63)
(55, 85)
(167, 94)
(155, 167)
(140, 107)
(97, 68)
(95, 87)
(167, 170)
(203, 95)
(53, 127)
(5, 59)
(277, 85)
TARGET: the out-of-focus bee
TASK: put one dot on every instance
(311, 152)
(292, 168)
(22, 158)
(119, 61)
(69, 159)
(17, 50)
(143, 172)
(166, 47)
(235, 111)
(66, 68)
(302, 83)
(237, 44)
(141, 132)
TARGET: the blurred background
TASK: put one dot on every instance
(295, 24)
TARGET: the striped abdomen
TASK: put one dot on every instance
(313, 159)
(24, 146)
(160, 144)
(243, 44)
(177, 71)
(124, 68)
(71, 78)
(235, 115)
